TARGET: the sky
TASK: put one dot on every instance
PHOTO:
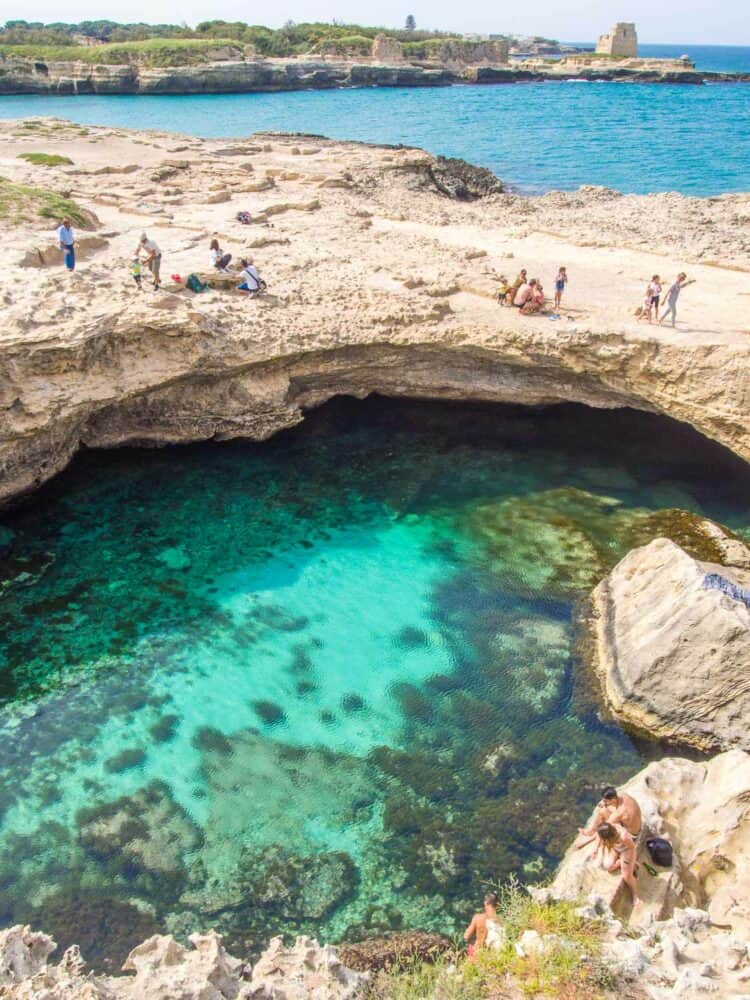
(669, 21)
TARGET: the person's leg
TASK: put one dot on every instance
(70, 258)
(155, 270)
(627, 867)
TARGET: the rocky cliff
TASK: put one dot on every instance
(22, 75)
(382, 267)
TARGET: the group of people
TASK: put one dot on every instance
(527, 294)
(250, 281)
(615, 830)
(650, 308)
(148, 254)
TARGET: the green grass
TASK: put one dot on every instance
(151, 52)
(568, 970)
(23, 203)
(45, 159)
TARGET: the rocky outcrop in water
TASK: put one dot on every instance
(670, 640)
(165, 969)
(689, 934)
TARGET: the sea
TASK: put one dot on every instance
(635, 138)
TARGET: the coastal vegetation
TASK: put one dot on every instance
(23, 203)
(46, 159)
(106, 42)
(568, 965)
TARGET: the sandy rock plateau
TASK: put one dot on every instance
(381, 265)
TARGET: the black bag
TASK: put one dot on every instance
(660, 851)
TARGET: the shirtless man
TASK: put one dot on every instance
(485, 928)
(612, 808)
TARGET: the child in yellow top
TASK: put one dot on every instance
(135, 270)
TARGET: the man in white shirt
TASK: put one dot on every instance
(153, 257)
(250, 282)
(67, 242)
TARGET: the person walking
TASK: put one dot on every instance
(560, 282)
(673, 295)
(153, 257)
(67, 241)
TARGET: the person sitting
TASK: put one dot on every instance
(614, 841)
(612, 808)
(535, 301)
(523, 294)
(510, 298)
(218, 259)
(485, 927)
(503, 289)
(250, 280)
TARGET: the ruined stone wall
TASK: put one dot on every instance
(622, 40)
(387, 50)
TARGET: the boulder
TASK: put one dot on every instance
(670, 644)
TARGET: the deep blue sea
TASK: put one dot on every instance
(636, 138)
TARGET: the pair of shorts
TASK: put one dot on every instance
(244, 287)
(154, 266)
(559, 286)
(654, 301)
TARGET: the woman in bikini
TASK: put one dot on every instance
(613, 839)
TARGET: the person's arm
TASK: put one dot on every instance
(471, 929)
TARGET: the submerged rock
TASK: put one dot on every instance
(670, 643)
(393, 950)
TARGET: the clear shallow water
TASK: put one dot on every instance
(636, 137)
(324, 684)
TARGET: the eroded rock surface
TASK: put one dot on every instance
(165, 970)
(380, 280)
(670, 640)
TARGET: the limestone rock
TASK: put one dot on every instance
(23, 953)
(306, 971)
(671, 646)
(163, 968)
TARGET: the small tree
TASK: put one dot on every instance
(410, 23)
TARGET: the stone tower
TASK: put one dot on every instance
(621, 41)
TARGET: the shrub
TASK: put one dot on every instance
(22, 203)
(45, 159)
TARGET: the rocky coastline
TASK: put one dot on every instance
(23, 75)
(382, 267)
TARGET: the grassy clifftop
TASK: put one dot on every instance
(105, 42)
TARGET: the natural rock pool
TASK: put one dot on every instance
(325, 683)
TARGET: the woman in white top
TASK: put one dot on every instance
(218, 259)
(250, 283)
(653, 295)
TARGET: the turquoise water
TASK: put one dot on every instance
(325, 684)
(636, 137)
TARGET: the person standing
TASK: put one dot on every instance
(653, 294)
(67, 240)
(560, 282)
(153, 257)
(673, 295)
